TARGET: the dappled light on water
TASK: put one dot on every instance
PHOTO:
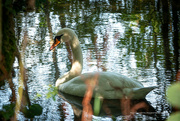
(138, 39)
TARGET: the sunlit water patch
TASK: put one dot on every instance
(112, 39)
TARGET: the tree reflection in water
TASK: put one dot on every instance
(139, 39)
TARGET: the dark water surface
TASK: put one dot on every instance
(131, 37)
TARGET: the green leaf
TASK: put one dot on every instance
(52, 92)
(173, 95)
(8, 111)
(174, 117)
(38, 95)
(34, 110)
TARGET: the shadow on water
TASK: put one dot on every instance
(113, 108)
(139, 39)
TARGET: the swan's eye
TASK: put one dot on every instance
(58, 38)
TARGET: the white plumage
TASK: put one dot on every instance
(109, 85)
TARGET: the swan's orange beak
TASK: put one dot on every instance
(56, 43)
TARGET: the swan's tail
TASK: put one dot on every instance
(138, 93)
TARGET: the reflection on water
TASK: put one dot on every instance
(128, 37)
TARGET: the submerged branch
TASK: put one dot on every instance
(21, 85)
(23, 97)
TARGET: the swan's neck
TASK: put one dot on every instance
(77, 63)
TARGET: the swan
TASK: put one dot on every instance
(109, 86)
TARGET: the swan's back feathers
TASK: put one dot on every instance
(109, 86)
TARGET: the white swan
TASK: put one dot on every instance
(110, 85)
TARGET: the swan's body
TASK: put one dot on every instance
(110, 85)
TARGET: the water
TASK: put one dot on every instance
(117, 36)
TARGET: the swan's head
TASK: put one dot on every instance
(57, 41)
(64, 35)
